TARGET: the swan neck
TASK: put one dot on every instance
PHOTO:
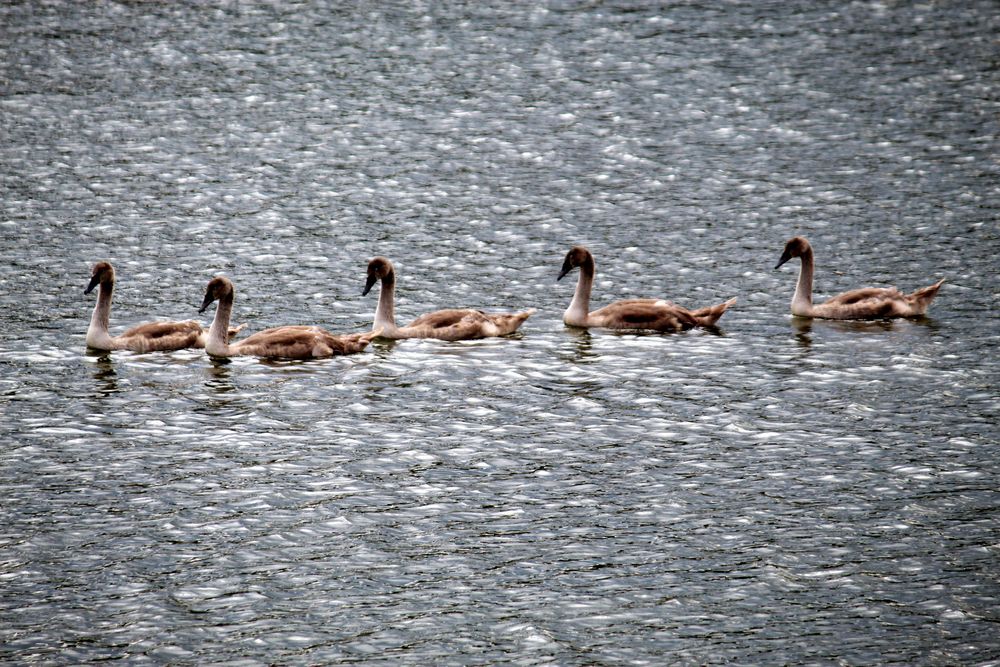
(218, 334)
(802, 301)
(579, 307)
(385, 312)
(100, 320)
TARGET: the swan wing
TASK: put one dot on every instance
(280, 335)
(301, 342)
(864, 294)
(450, 317)
(643, 314)
(162, 336)
(161, 329)
(869, 303)
(464, 324)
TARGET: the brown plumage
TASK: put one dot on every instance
(631, 314)
(148, 337)
(290, 342)
(448, 324)
(867, 303)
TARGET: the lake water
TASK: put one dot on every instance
(778, 491)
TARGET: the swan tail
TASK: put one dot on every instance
(708, 316)
(509, 323)
(922, 297)
(362, 339)
(351, 343)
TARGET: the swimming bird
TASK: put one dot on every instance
(448, 324)
(148, 337)
(869, 303)
(634, 314)
(289, 342)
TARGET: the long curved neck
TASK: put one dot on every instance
(100, 320)
(385, 312)
(218, 336)
(579, 307)
(802, 301)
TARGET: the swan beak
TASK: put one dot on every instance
(372, 279)
(567, 267)
(207, 302)
(785, 256)
(92, 284)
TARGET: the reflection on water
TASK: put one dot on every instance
(219, 374)
(804, 326)
(383, 347)
(583, 346)
(560, 496)
(105, 374)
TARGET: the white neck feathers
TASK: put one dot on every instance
(802, 300)
(97, 333)
(579, 307)
(218, 336)
(385, 313)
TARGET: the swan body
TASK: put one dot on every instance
(148, 337)
(290, 342)
(869, 303)
(633, 314)
(448, 324)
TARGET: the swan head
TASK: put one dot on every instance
(218, 288)
(102, 274)
(378, 269)
(577, 256)
(796, 247)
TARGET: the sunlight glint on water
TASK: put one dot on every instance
(777, 491)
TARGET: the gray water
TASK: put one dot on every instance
(777, 491)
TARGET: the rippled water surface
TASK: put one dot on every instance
(777, 491)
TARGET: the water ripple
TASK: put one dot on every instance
(778, 491)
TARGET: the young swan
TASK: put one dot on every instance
(450, 324)
(292, 342)
(868, 303)
(654, 314)
(148, 337)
